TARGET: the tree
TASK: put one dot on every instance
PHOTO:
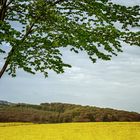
(95, 26)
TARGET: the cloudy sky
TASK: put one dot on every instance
(114, 84)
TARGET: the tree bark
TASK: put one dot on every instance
(2, 15)
(3, 68)
(6, 63)
(2, 9)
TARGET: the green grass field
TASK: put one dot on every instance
(70, 131)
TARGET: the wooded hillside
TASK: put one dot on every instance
(61, 112)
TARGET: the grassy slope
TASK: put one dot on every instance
(71, 131)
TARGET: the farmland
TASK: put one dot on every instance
(71, 131)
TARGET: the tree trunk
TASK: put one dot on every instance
(6, 63)
(2, 15)
(2, 9)
(4, 68)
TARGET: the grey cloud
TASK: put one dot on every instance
(112, 83)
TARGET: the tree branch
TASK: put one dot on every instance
(3, 68)
(58, 1)
(3, 9)
(29, 31)
(13, 50)
(9, 3)
(6, 63)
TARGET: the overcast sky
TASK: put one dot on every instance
(114, 84)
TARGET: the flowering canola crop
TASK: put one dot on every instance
(71, 131)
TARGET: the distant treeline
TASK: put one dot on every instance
(60, 113)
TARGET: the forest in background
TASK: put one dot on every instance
(61, 113)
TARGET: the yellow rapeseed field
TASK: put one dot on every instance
(70, 131)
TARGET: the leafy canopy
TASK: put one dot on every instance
(36, 30)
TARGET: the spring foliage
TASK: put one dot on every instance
(61, 113)
(36, 30)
